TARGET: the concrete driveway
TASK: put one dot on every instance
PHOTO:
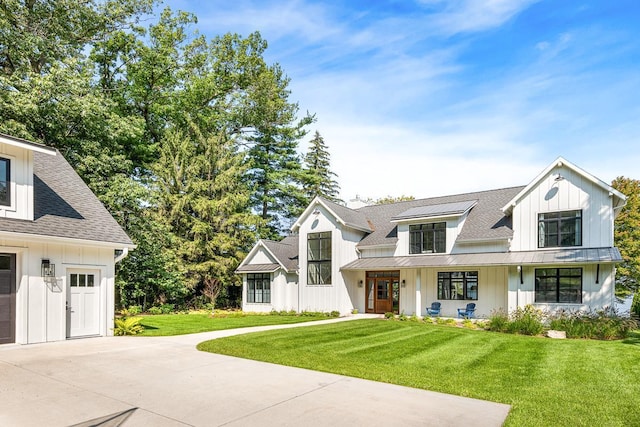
(165, 381)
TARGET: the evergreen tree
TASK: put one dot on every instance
(319, 178)
(627, 237)
(203, 202)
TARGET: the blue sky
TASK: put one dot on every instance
(434, 97)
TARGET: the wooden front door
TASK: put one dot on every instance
(382, 292)
(7, 298)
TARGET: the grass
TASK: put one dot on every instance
(180, 324)
(547, 382)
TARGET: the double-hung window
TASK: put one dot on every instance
(319, 258)
(559, 285)
(458, 285)
(259, 287)
(556, 229)
(428, 238)
(5, 182)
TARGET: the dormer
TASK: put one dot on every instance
(16, 176)
(564, 207)
(431, 229)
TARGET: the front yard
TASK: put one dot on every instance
(547, 382)
(191, 323)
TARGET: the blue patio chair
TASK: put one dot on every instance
(468, 311)
(434, 310)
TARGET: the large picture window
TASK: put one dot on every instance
(557, 229)
(319, 258)
(428, 238)
(5, 182)
(562, 285)
(259, 287)
(458, 285)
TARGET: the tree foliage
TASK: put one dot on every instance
(393, 199)
(190, 143)
(627, 237)
(319, 179)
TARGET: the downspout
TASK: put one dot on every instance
(123, 255)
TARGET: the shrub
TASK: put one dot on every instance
(602, 324)
(468, 324)
(403, 317)
(526, 321)
(498, 321)
(127, 326)
(155, 310)
(635, 304)
(167, 308)
(389, 315)
(132, 310)
(354, 311)
(334, 313)
(441, 321)
(415, 318)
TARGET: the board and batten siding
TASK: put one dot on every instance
(574, 192)
(21, 187)
(454, 226)
(284, 294)
(41, 304)
(594, 295)
(335, 296)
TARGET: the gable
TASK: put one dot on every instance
(64, 207)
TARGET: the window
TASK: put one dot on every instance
(461, 285)
(259, 287)
(5, 182)
(560, 229)
(427, 238)
(82, 280)
(319, 258)
(559, 285)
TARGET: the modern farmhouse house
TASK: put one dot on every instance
(58, 248)
(549, 243)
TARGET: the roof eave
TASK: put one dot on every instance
(71, 240)
(28, 145)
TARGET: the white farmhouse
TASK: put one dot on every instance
(549, 243)
(58, 247)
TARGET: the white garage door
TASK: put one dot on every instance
(83, 303)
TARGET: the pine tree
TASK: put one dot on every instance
(319, 180)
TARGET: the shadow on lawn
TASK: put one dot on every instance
(633, 338)
(148, 327)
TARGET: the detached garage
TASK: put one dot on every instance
(58, 249)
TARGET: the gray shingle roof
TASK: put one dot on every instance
(485, 221)
(578, 256)
(286, 251)
(351, 217)
(65, 207)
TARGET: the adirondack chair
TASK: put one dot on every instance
(468, 311)
(434, 310)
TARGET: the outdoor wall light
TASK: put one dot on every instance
(316, 212)
(359, 283)
(559, 178)
(47, 268)
(404, 283)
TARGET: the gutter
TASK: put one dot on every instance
(123, 255)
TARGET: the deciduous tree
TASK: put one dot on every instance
(627, 237)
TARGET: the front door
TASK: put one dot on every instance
(382, 291)
(7, 298)
(83, 303)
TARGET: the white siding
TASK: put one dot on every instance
(595, 296)
(454, 226)
(261, 256)
(481, 247)
(573, 192)
(335, 296)
(284, 294)
(378, 252)
(21, 171)
(41, 304)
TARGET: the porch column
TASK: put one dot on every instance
(418, 293)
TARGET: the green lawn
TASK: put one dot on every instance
(547, 382)
(179, 324)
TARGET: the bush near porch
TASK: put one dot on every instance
(547, 382)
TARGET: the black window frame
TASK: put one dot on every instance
(264, 282)
(319, 264)
(555, 229)
(468, 280)
(6, 180)
(428, 238)
(570, 274)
